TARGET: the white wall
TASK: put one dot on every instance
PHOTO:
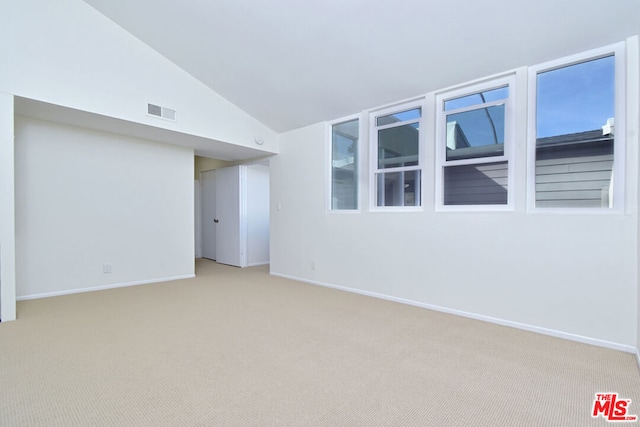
(571, 275)
(84, 198)
(64, 52)
(7, 218)
(633, 135)
(257, 214)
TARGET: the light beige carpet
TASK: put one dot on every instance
(238, 347)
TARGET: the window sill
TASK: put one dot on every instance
(475, 208)
(396, 209)
(344, 211)
(575, 211)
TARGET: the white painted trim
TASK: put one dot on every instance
(198, 218)
(489, 319)
(482, 81)
(620, 107)
(373, 168)
(475, 208)
(508, 80)
(244, 227)
(638, 357)
(397, 106)
(104, 287)
(632, 89)
(328, 165)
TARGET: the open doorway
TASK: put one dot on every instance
(232, 215)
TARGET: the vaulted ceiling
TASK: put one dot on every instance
(291, 63)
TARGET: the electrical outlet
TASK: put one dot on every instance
(106, 268)
(313, 265)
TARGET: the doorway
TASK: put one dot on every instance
(234, 220)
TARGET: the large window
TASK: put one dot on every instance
(344, 165)
(473, 145)
(396, 156)
(568, 150)
(573, 133)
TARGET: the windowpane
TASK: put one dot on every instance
(476, 133)
(396, 171)
(399, 117)
(575, 98)
(575, 135)
(344, 161)
(477, 98)
(473, 162)
(398, 188)
(398, 146)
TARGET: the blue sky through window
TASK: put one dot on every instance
(575, 98)
(399, 117)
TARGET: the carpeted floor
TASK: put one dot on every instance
(237, 347)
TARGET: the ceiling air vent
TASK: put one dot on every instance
(162, 112)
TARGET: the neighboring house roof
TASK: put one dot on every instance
(574, 138)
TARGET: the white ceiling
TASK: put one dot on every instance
(291, 63)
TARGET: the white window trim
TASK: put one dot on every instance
(508, 79)
(373, 153)
(328, 166)
(619, 156)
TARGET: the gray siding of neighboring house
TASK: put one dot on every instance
(576, 175)
(572, 170)
(484, 184)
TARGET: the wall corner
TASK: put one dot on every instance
(7, 211)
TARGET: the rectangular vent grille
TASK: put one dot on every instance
(168, 113)
(155, 110)
(162, 112)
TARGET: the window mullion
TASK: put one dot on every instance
(398, 124)
(476, 107)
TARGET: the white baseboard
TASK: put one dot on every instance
(255, 264)
(638, 355)
(517, 325)
(103, 287)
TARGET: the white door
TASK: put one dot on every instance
(231, 234)
(208, 203)
(198, 219)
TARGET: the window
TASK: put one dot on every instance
(473, 150)
(344, 165)
(576, 151)
(396, 156)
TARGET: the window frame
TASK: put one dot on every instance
(329, 165)
(374, 169)
(618, 50)
(508, 156)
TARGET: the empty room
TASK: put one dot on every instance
(319, 212)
